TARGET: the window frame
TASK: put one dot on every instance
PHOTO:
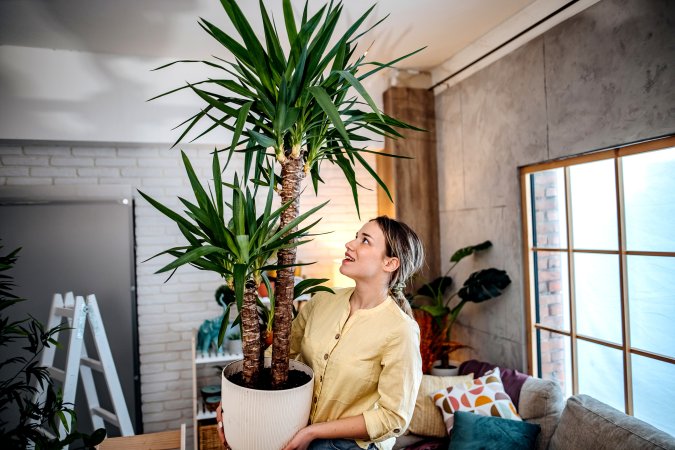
(530, 290)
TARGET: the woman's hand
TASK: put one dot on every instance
(219, 419)
(301, 440)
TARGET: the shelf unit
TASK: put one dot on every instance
(199, 361)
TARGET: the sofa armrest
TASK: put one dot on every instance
(541, 402)
(589, 423)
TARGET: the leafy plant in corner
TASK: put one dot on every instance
(292, 110)
(443, 307)
(23, 416)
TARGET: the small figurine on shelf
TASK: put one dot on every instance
(207, 337)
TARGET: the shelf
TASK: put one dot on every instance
(201, 415)
(212, 358)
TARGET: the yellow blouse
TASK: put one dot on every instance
(366, 364)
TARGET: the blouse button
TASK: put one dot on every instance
(337, 336)
(325, 356)
(314, 399)
(397, 430)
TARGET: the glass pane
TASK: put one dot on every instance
(598, 296)
(553, 305)
(555, 359)
(601, 373)
(651, 297)
(550, 225)
(649, 402)
(649, 193)
(594, 219)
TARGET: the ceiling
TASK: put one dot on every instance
(168, 28)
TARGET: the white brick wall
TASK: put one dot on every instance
(169, 311)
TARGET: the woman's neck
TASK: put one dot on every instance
(367, 295)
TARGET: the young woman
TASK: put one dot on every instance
(363, 345)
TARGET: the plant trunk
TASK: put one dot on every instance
(250, 334)
(291, 176)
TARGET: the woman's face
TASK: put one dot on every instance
(366, 256)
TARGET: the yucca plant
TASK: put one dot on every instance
(294, 109)
(239, 248)
(437, 301)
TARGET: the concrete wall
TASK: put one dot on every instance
(168, 312)
(601, 78)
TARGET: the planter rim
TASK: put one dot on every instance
(309, 371)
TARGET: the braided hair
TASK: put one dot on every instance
(402, 243)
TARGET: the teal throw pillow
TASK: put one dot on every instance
(475, 432)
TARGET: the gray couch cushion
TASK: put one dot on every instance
(541, 402)
(589, 423)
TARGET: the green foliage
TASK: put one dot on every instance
(286, 104)
(23, 417)
(434, 297)
(239, 249)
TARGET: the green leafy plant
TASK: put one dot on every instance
(239, 249)
(294, 111)
(234, 336)
(443, 306)
(23, 415)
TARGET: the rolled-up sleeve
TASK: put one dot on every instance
(398, 384)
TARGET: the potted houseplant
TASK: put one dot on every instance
(24, 416)
(438, 308)
(287, 113)
(290, 112)
(237, 244)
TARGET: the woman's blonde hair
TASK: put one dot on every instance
(404, 244)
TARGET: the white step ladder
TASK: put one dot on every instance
(78, 312)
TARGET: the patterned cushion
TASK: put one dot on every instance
(484, 396)
(427, 419)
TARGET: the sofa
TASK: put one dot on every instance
(581, 422)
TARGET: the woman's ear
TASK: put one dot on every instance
(391, 264)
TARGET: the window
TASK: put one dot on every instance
(599, 231)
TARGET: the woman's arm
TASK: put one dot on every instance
(348, 427)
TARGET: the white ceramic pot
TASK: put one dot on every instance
(234, 346)
(439, 372)
(264, 420)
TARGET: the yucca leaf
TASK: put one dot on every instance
(236, 88)
(356, 84)
(289, 20)
(389, 64)
(200, 194)
(232, 45)
(318, 289)
(300, 288)
(258, 56)
(239, 125)
(373, 173)
(272, 41)
(242, 243)
(239, 272)
(298, 76)
(264, 141)
(223, 325)
(328, 107)
(349, 173)
(191, 256)
(171, 215)
(293, 223)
